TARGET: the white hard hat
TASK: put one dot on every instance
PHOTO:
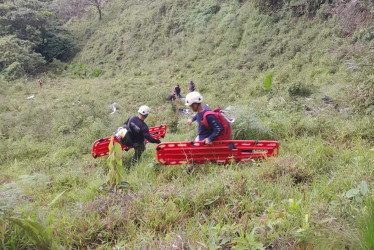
(144, 110)
(193, 97)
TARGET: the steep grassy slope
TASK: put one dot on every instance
(316, 194)
(226, 47)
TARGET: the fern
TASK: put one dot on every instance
(37, 233)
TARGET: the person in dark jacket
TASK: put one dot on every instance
(139, 130)
(207, 134)
(192, 86)
(177, 91)
(171, 97)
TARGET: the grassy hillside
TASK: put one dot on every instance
(317, 194)
(227, 48)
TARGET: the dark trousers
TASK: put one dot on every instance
(139, 149)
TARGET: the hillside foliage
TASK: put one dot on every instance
(299, 72)
(31, 37)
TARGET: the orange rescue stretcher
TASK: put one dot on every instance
(221, 152)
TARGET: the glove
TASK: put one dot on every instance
(158, 141)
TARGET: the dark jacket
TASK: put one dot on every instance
(177, 90)
(139, 130)
(192, 86)
(171, 97)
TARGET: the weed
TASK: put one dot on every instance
(367, 226)
(38, 234)
(114, 161)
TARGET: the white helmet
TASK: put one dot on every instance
(144, 110)
(193, 97)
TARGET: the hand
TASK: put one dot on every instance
(207, 141)
(158, 141)
(189, 121)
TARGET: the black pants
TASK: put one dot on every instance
(139, 149)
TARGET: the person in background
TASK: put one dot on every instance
(207, 134)
(177, 91)
(137, 130)
(40, 83)
(192, 86)
(171, 97)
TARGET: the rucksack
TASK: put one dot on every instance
(218, 113)
(124, 136)
(127, 137)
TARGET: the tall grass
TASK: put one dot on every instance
(296, 200)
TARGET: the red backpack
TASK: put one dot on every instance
(226, 132)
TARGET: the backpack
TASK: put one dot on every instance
(124, 136)
(127, 137)
(218, 113)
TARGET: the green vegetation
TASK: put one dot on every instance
(114, 161)
(299, 72)
(30, 37)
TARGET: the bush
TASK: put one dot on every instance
(96, 73)
(298, 7)
(56, 67)
(268, 6)
(57, 43)
(13, 72)
(362, 74)
(247, 125)
(298, 89)
(20, 51)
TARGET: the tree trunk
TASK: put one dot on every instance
(99, 10)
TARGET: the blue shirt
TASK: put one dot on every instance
(214, 128)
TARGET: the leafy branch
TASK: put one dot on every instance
(114, 180)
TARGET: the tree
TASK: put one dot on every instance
(98, 4)
(20, 52)
(66, 9)
(28, 33)
(57, 43)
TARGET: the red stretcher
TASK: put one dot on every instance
(221, 152)
(100, 146)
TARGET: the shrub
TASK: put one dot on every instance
(40, 235)
(20, 51)
(362, 75)
(298, 7)
(173, 125)
(57, 43)
(247, 125)
(56, 67)
(267, 6)
(13, 72)
(298, 89)
(96, 73)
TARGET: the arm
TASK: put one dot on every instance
(147, 136)
(191, 120)
(216, 127)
